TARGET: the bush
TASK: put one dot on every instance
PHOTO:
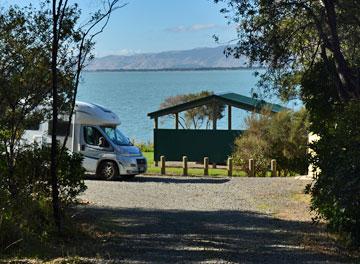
(33, 172)
(30, 212)
(251, 147)
(281, 136)
(145, 147)
(336, 191)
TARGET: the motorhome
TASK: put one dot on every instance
(94, 132)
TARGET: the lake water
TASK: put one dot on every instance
(132, 95)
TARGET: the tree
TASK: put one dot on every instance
(72, 43)
(195, 117)
(336, 192)
(288, 37)
(25, 99)
(24, 80)
(310, 48)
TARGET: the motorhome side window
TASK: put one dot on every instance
(61, 128)
(34, 125)
(92, 137)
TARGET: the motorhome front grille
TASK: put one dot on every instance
(141, 161)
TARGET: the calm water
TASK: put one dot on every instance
(132, 95)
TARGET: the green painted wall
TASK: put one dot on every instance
(196, 144)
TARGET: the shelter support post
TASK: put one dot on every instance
(156, 126)
(214, 117)
(156, 123)
(229, 118)
(176, 120)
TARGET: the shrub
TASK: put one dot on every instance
(145, 147)
(336, 192)
(30, 212)
(281, 136)
(251, 147)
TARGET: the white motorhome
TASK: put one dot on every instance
(94, 133)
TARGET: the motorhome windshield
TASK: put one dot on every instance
(116, 136)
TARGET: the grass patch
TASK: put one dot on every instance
(191, 171)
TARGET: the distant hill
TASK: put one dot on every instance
(198, 58)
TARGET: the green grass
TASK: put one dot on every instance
(191, 171)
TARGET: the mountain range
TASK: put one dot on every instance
(199, 58)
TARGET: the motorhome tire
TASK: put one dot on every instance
(108, 170)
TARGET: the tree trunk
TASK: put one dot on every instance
(346, 77)
(53, 166)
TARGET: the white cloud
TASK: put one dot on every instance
(192, 28)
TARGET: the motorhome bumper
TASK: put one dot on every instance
(132, 165)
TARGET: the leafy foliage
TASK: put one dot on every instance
(25, 77)
(311, 48)
(336, 192)
(196, 117)
(281, 136)
(145, 147)
(288, 37)
(30, 213)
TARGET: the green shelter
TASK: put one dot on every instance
(199, 143)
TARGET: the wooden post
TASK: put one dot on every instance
(185, 166)
(273, 168)
(214, 165)
(251, 168)
(229, 118)
(162, 162)
(156, 163)
(156, 123)
(176, 120)
(230, 166)
(206, 166)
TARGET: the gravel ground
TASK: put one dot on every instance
(153, 219)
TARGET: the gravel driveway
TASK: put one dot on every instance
(208, 220)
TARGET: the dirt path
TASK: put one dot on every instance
(204, 220)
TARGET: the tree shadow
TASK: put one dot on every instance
(171, 179)
(166, 236)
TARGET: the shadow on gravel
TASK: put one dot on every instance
(167, 236)
(160, 179)
(170, 179)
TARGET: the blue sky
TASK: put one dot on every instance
(157, 25)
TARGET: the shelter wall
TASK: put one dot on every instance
(195, 144)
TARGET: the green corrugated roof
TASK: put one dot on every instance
(233, 99)
(251, 102)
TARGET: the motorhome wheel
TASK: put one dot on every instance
(108, 170)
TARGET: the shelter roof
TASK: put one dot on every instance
(233, 99)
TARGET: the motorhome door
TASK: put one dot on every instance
(93, 146)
